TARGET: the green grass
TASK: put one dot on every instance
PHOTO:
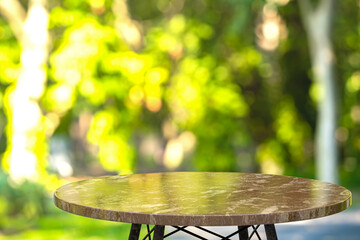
(60, 225)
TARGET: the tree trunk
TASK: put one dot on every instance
(26, 152)
(318, 24)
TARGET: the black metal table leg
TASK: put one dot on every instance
(243, 233)
(135, 231)
(159, 232)
(270, 232)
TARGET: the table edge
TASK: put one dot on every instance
(203, 220)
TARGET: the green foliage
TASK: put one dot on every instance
(201, 94)
(20, 201)
(61, 225)
(199, 70)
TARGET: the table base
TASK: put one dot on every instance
(158, 232)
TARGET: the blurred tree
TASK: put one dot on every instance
(318, 24)
(346, 37)
(163, 85)
(26, 149)
(171, 85)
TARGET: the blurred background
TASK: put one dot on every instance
(98, 87)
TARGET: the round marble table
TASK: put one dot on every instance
(202, 199)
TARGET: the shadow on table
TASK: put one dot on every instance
(341, 226)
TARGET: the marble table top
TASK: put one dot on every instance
(202, 198)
